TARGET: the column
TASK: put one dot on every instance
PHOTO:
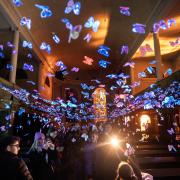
(40, 76)
(14, 56)
(158, 58)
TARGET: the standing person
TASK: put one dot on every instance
(42, 156)
(89, 156)
(11, 166)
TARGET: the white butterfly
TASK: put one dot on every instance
(91, 23)
(71, 6)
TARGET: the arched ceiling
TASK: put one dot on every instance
(114, 31)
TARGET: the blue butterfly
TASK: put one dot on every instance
(104, 50)
(86, 94)
(112, 76)
(91, 23)
(45, 47)
(17, 3)
(104, 63)
(85, 86)
(25, 22)
(45, 11)
(71, 6)
(27, 44)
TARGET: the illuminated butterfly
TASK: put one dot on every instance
(9, 44)
(156, 27)
(168, 72)
(88, 37)
(124, 10)
(29, 55)
(171, 22)
(87, 60)
(124, 49)
(75, 69)
(85, 94)
(85, 86)
(17, 3)
(61, 65)
(141, 75)
(139, 28)
(153, 62)
(27, 44)
(104, 50)
(111, 76)
(170, 131)
(171, 147)
(25, 22)
(28, 67)
(46, 47)
(131, 64)
(9, 67)
(74, 32)
(122, 75)
(92, 24)
(135, 84)
(113, 87)
(97, 81)
(175, 43)
(45, 11)
(162, 24)
(50, 74)
(1, 47)
(104, 63)
(56, 38)
(31, 82)
(150, 69)
(71, 6)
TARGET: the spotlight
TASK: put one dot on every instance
(115, 142)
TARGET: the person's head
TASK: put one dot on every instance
(125, 172)
(10, 143)
(39, 138)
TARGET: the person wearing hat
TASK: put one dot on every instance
(11, 166)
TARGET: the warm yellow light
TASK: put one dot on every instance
(165, 36)
(115, 142)
(99, 101)
(98, 37)
(144, 120)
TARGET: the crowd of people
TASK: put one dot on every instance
(78, 152)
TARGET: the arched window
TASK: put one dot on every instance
(47, 81)
(99, 100)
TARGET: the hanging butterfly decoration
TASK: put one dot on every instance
(139, 28)
(55, 38)
(87, 60)
(91, 23)
(74, 32)
(17, 3)
(45, 11)
(28, 67)
(124, 10)
(124, 49)
(27, 44)
(104, 63)
(130, 64)
(104, 50)
(46, 47)
(88, 37)
(73, 7)
(25, 22)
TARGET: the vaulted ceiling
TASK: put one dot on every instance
(114, 31)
